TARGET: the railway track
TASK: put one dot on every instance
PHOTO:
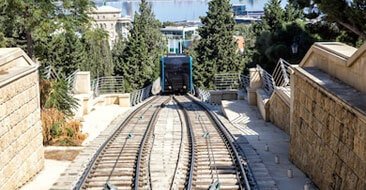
(167, 143)
(215, 163)
(114, 165)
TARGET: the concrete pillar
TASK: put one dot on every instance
(255, 82)
(292, 97)
(82, 83)
(124, 100)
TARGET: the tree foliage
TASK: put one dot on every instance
(64, 52)
(350, 14)
(99, 61)
(58, 97)
(25, 22)
(216, 51)
(280, 29)
(139, 62)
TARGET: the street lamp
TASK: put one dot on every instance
(294, 47)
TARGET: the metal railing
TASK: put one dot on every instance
(268, 83)
(244, 82)
(71, 81)
(50, 73)
(279, 78)
(282, 72)
(107, 85)
(138, 96)
(227, 81)
(203, 95)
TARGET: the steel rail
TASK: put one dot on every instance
(147, 133)
(89, 167)
(189, 182)
(180, 145)
(229, 139)
(209, 149)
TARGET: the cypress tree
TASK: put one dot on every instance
(216, 51)
(140, 59)
(117, 54)
(99, 61)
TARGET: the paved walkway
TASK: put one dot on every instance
(50, 173)
(253, 134)
(96, 121)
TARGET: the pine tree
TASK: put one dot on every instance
(139, 64)
(273, 15)
(349, 14)
(216, 50)
(64, 52)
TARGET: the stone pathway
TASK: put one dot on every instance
(254, 136)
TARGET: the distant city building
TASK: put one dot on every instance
(242, 16)
(246, 19)
(179, 37)
(110, 19)
(239, 9)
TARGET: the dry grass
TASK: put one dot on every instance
(58, 131)
(68, 155)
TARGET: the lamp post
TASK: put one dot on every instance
(294, 47)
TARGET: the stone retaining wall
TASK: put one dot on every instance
(328, 135)
(21, 155)
(279, 112)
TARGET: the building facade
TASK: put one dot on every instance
(110, 19)
(179, 38)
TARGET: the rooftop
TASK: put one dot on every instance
(106, 9)
(178, 28)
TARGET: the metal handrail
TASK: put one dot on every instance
(71, 80)
(203, 95)
(50, 73)
(282, 72)
(268, 83)
(107, 85)
(140, 95)
(244, 82)
(227, 81)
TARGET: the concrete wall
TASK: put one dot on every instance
(263, 103)
(218, 95)
(21, 155)
(279, 110)
(328, 132)
(339, 60)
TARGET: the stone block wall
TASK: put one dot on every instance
(279, 112)
(328, 136)
(21, 155)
